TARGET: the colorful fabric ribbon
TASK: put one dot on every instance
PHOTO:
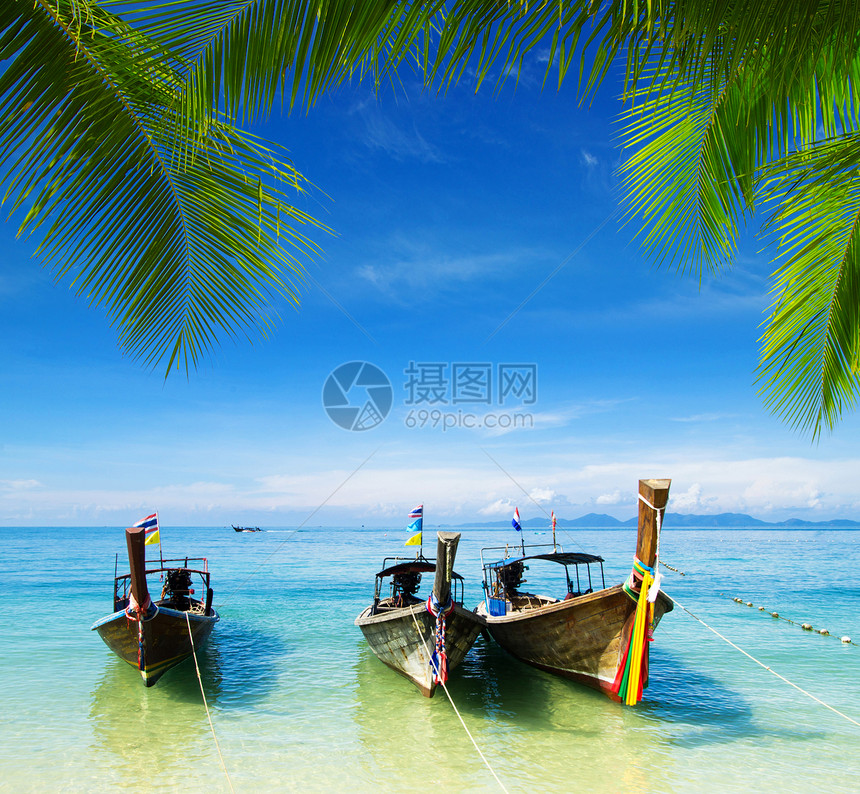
(135, 611)
(439, 659)
(632, 675)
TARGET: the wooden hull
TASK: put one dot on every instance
(406, 648)
(580, 639)
(165, 639)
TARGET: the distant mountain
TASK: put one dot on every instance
(678, 521)
(598, 520)
(725, 520)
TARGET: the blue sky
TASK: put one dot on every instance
(450, 211)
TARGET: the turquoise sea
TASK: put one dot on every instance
(299, 703)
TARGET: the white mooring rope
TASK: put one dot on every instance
(762, 664)
(456, 711)
(208, 715)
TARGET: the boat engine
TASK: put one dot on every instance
(176, 589)
(511, 576)
(405, 584)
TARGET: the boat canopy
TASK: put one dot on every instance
(562, 557)
(413, 566)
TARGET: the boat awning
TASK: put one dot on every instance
(414, 566)
(561, 557)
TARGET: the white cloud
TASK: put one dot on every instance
(566, 414)
(692, 501)
(542, 495)
(613, 498)
(497, 508)
(461, 486)
(589, 159)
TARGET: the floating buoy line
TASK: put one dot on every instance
(846, 640)
(805, 626)
(762, 664)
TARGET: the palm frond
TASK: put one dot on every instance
(243, 55)
(180, 250)
(690, 180)
(699, 150)
(811, 347)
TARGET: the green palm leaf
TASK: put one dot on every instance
(245, 54)
(180, 244)
(690, 180)
(811, 350)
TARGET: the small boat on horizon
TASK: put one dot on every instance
(155, 635)
(593, 634)
(421, 639)
(246, 529)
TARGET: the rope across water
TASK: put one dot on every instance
(205, 704)
(762, 664)
(453, 706)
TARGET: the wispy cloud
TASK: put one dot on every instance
(380, 132)
(415, 266)
(681, 302)
(564, 415)
(19, 485)
(709, 417)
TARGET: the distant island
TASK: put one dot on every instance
(677, 521)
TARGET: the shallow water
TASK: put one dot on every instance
(299, 703)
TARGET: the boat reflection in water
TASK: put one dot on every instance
(130, 721)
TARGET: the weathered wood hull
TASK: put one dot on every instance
(165, 639)
(580, 639)
(406, 648)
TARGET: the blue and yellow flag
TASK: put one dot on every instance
(415, 540)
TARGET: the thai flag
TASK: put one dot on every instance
(149, 524)
(515, 521)
(418, 512)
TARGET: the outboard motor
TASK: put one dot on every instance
(177, 589)
(511, 576)
(405, 585)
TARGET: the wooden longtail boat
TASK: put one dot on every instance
(153, 636)
(586, 634)
(422, 639)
